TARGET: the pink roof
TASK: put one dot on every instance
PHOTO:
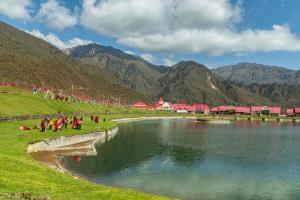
(225, 108)
(275, 110)
(189, 108)
(242, 109)
(297, 110)
(158, 108)
(214, 109)
(200, 107)
(256, 108)
(151, 107)
(139, 104)
(160, 101)
(289, 111)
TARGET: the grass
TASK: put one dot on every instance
(14, 101)
(19, 172)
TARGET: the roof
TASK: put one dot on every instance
(289, 111)
(214, 109)
(139, 104)
(256, 108)
(275, 110)
(201, 107)
(242, 110)
(151, 107)
(225, 108)
(189, 108)
(297, 110)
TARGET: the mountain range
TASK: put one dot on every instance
(279, 84)
(107, 72)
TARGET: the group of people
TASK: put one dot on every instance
(60, 123)
(96, 119)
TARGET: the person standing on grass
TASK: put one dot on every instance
(43, 125)
(79, 124)
(50, 124)
(75, 123)
(62, 121)
(56, 125)
(97, 119)
(66, 122)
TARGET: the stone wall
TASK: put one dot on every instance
(64, 141)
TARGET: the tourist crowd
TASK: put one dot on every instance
(60, 123)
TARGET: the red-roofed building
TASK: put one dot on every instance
(242, 110)
(160, 101)
(255, 110)
(228, 110)
(201, 108)
(151, 107)
(183, 108)
(275, 110)
(290, 112)
(264, 110)
(214, 110)
(297, 111)
(140, 105)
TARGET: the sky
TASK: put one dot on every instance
(211, 32)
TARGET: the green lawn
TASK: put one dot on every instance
(20, 173)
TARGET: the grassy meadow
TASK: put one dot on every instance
(19, 172)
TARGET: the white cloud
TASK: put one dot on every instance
(16, 10)
(56, 15)
(56, 41)
(190, 26)
(150, 58)
(168, 62)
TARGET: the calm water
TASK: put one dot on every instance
(189, 160)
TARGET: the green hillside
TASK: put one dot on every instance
(27, 59)
(14, 101)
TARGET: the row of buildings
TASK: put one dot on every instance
(168, 106)
(226, 110)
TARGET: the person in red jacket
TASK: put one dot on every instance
(43, 125)
(56, 125)
(97, 119)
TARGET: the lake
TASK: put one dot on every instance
(186, 159)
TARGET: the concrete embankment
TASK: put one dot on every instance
(65, 142)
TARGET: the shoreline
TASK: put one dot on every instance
(49, 152)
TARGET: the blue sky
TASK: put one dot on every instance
(212, 32)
